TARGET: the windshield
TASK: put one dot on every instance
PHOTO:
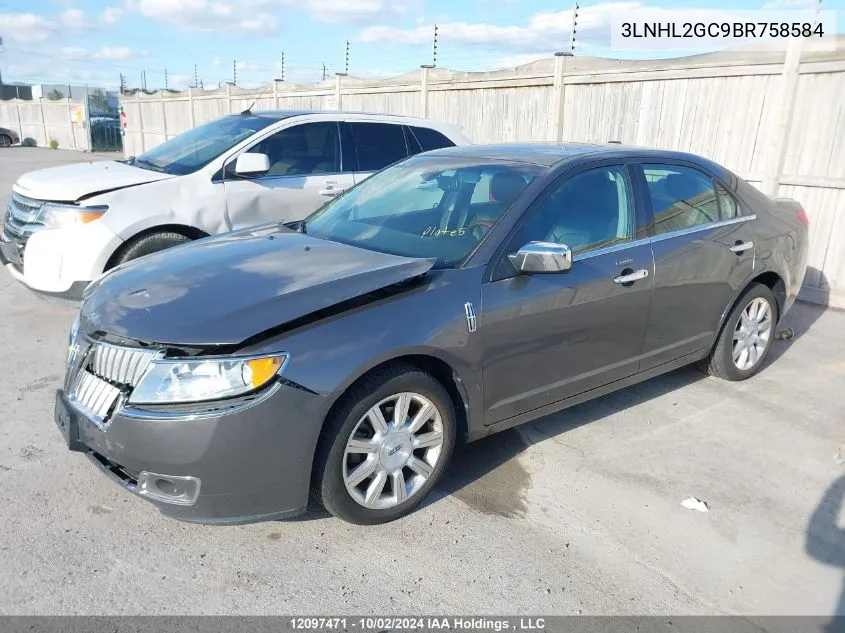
(428, 206)
(197, 147)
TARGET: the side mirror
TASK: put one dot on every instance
(252, 164)
(542, 257)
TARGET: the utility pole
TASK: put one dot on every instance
(324, 71)
(144, 80)
(574, 26)
(347, 57)
(166, 87)
(283, 65)
(434, 48)
(234, 72)
(196, 82)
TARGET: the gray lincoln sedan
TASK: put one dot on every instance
(452, 295)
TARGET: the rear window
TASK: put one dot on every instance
(429, 139)
(378, 145)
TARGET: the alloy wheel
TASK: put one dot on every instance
(752, 334)
(5, 141)
(393, 450)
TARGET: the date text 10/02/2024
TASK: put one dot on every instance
(418, 624)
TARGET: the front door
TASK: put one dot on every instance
(551, 336)
(704, 255)
(305, 172)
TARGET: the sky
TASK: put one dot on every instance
(94, 41)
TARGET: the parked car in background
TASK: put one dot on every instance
(8, 137)
(66, 225)
(348, 352)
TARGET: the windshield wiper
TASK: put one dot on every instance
(139, 161)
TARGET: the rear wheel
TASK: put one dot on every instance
(148, 244)
(5, 140)
(385, 446)
(746, 337)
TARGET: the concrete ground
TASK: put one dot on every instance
(558, 517)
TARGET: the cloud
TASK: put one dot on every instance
(246, 66)
(344, 11)
(73, 53)
(544, 32)
(26, 27)
(110, 15)
(74, 19)
(261, 18)
(116, 53)
(210, 15)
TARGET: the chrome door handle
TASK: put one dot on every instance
(331, 189)
(631, 277)
(742, 247)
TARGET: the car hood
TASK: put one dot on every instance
(69, 183)
(224, 290)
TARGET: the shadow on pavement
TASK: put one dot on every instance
(826, 542)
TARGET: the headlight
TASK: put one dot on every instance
(71, 338)
(201, 379)
(56, 216)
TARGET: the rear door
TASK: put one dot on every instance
(704, 254)
(377, 145)
(548, 337)
(306, 170)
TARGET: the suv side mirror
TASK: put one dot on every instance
(252, 164)
(542, 257)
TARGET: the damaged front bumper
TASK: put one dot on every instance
(237, 465)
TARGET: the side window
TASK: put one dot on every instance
(378, 144)
(430, 139)
(681, 197)
(310, 148)
(728, 206)
(587, 211)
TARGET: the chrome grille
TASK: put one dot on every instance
(123, 365)
(99, 375)
(24, 210)
(94, 396)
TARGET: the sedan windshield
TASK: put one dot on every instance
(436, 207)
(197, 147)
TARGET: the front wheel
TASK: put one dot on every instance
(149, 244)
(746, 337)
(385, 446)
(5, 140)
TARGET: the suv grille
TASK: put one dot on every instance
(100, 376)
(20, 221)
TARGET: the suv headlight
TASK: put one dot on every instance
(172, 381)
(57, 216)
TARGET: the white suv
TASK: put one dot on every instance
(65, 226)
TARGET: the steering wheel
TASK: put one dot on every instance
(480, 228)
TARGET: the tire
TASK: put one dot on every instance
(721, 362)
(5, 140)
(395, 453)
(149, 244)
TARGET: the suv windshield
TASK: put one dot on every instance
(197, 147)
(437, 207)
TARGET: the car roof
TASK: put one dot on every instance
(286, 114)
(550, 154)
